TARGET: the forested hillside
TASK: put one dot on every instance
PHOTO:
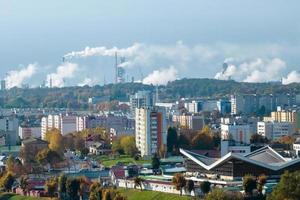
(77, 97)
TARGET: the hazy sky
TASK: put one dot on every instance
(179, 38)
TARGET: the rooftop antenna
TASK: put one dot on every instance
(157, 99)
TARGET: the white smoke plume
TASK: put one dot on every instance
(104, 51)
(140, 54)
(292, 77)
(257, 70)
(161, 77)
(88, 81)
(65, 71)
(16, 78)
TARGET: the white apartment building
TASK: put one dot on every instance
(234, 147)
(150, 130)
(275, 130)
(64, 123)
(239, 133)
(118, 122)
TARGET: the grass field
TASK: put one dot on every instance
(108, 161)
(150, 195)
(11, 196)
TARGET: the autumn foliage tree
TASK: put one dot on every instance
(179, 182)
(55, 140)
(203, 140)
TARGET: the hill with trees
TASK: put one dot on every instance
(77, 97)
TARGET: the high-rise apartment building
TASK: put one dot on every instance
(141, 99)
(150, 130)
(64, 123)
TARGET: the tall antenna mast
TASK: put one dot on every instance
(50, 84)
(116, 67)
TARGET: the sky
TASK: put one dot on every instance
(160, 40)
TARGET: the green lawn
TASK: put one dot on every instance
(11, 196)
(150, 195)
(110, 161)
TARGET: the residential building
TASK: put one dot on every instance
(141, 99)
(224, 106)
(292, 116)
(244, 104)
(209, 105)
(65, 123)
(32, 146)
(150, 130)
(234, 147)
(118, 122)
(193, 107)
(9, 129)
(193, 122)
(26, 131)
(99, 148)
(275, 130)
(237, 132)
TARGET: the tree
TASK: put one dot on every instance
(155, 163)
(7, 181)
(47, 156)
(218, 194)
(69, 142)
(128, 145)
(257, 138)
(10, 163)
(249, 184)
(84, 183)
(203, 140)
(287, 188)
(73, 186)
(119, 197)
(62, 181)
(51, 186)
(171, 139)
(95, 191)
(138, 181)
(184, 142)
(288, 140)
(79, 143)
(179, 182)
(261, 181)
(190, 186)
(116, 147)
(107, 195)
(205, 187)
(84, 152)
(24, 184)
(55, 140)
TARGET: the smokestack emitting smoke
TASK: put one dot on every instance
(104, 51)
(16, 78)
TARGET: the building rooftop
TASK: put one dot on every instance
(265, 157)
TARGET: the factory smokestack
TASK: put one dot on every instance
(116, 67)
